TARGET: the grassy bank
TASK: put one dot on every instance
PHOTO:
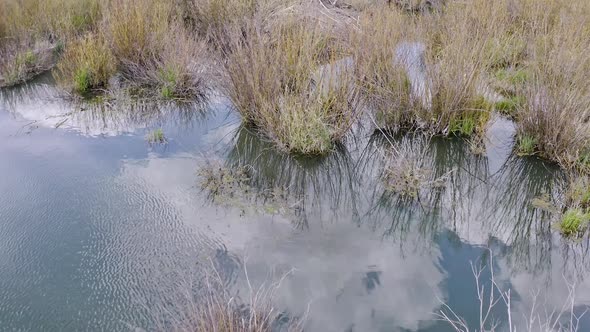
(302, 72)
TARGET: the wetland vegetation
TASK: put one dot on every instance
(303, 72)
(425, 81)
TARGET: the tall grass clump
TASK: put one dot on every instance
(147, 44)
(155, 52)
(424, 71)
(175, 69)
(382, 77)
(32, 32)
(86, 65)
(556, 113)
(456, 61)
(276, 82)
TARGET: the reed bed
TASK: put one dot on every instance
(302, 72)
(554, 120)
(277, 83)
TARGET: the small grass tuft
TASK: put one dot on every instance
(405, 172)
(574, 223)
(526, 146)
(578, 194)
(509, 105)
(156, 137)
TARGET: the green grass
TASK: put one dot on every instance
(82, 81)
(574, 222)
(86, 65)
(169, 78)
(156, 137)
(509, 105)
(513, 76)
(526, 146)
(468, 123)
(579, 193)
(462, 126)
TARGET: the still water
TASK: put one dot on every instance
(100, 230)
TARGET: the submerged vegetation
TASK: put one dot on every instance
(156, 137)
(232, 186)
(406, 172)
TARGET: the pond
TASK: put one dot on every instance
(102, 230)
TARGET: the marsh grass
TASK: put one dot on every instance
(554, 116)
(281, 63)
(144, 41)
(175, 72)
(456, 59)
(423, 71)
(556, 104)
(86, 65)
(270, 80)
(156, 136)
(47, 20)
(19, 63)
(382, 78)
(574, 223)
(31, 30)
(406, 171)
(211, 18)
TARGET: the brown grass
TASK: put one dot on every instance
(31, 30)
(147, 43)
(275, 81)
(556, 114)
(216, 307)
(383, 80)
(211, 18)
(525, 58)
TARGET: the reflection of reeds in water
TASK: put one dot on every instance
(467, 193)
(42, 103)
(454, 186)
(529, 228)
(398, 208)
(325, 185)
(575, 256)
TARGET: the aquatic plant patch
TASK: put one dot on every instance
(231, 187)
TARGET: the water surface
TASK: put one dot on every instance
(100, 230)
